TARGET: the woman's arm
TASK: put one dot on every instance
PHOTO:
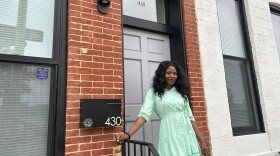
(136, 126)
(200, 138)
(144, 115)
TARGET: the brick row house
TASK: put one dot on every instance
(56, 53)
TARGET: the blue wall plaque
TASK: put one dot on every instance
(42, 73)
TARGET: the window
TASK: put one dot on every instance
(275, 16)
(242, 95)
(151, 10)
(24, 109)
(27, 28)
(31, 62)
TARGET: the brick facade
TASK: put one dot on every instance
(95, 70)
(194, 70)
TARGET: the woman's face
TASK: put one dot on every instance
(170, 77)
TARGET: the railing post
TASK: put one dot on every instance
(151, 148)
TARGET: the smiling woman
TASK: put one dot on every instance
(170, 77)
(168, 98)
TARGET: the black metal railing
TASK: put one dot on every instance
(139, 148)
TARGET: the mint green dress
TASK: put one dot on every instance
(176, 136)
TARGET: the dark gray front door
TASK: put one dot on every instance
(143, 51)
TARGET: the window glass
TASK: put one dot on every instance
(151, 10)
(244, 113)
(237, 93)
(26, 27)
(276, 29)
(24, 107)
(230, 28)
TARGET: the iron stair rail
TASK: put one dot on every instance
(151, 149)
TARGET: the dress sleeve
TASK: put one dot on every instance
(188, 109)
(148, 106)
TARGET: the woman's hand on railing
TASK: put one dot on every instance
(122, 137)
(203, 149)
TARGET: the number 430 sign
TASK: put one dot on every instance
(113, 121)
(100, 113)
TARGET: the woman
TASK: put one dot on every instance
(178, 130)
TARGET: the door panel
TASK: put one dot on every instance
(143, 51)
(132, 43)
(155, 45)
(133, 94)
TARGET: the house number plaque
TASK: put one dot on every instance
(100, 113)
(141, 3)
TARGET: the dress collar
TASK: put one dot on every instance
(172, 89)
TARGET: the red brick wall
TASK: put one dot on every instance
(97, 73)
(194, 69)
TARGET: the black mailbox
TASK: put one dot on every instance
(100, 113)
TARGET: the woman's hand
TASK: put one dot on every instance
(137, 125)
(122, 137)
(200, 138)
(203, 149)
